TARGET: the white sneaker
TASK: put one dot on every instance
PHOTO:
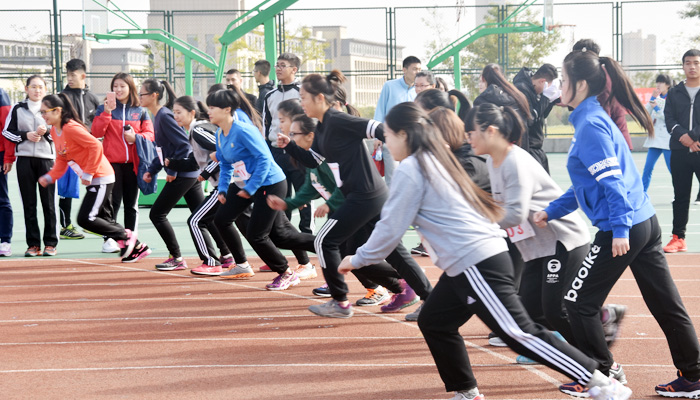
(110, 246)
(306, 271)
(614, 391)
(5, 249)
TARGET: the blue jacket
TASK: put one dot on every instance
(174, 143)
(393, 92)
(605, 181)
(146, 150)
(244, 146)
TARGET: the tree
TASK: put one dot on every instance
(692, 11)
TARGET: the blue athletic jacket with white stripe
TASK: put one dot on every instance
(605, 181)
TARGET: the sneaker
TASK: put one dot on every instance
(494, 340)
(265, 268)
(374, 297)
(420, 250)
(49, 251)
(467, 395)
(110, 246)
(675, 245)
(71, 233)
(172, 264)
(242, 271)
(92, 233)
(614, 391)
(574, 389)
(283, 281)
(5, 249)
(401, 300)
(331, 309)
(322, 291)
(522, 360)
(205, 269)
(137, 254)
(227, 262)
(681, 387)
(618, 374)
(127, 246)
(32, 251)
(414, 315)
(611, 326)
(306, 271)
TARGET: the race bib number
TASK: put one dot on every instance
(319, 187)
(520, 232)
(240, 171)
(335, 168)
(76, 168)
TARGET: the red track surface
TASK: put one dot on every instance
(96, 329)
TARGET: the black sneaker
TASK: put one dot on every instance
(322, 291)
(71, 233)
(420, 250)
(137, 254)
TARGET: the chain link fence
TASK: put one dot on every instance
(366, 44)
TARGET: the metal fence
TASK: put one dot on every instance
(367, 44)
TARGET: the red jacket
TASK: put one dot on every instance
(110, 126)
(5, 145)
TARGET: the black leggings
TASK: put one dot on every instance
(542, 288)
(203, 229)
(357, 212)
(487, 290)
(172, 192)
(126, 188)
(29, 170)
(597, 275)
(96, 213)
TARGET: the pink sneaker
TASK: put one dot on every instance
(205, 269)
(265, 268)
(127, 246)
(283, 282)
(401, 300)
(227, 262)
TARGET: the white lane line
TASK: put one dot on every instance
(304, 339)
(84, 300)
(106, 284)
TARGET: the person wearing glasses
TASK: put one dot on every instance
(424, 80)
(288, 88)
(118, 122)
(35, 157)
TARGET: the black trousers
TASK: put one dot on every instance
(357, 212)
(596, 277)
(65, 205)
(172, 192)
(29, 170)
(487, 290)
(126, 189)
(542, 288)
(261, 223)
(684, 165)
(295, 179)
(96, 212)
(6, 218)
(203, 229)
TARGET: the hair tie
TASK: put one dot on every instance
(583, 50)
(502, 109)
(346, 104)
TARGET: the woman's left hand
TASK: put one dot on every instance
(166, 162)
(242, 193)
(620, 246)
(43, 181)
(345, 266)
(85, 182)
(170, 178)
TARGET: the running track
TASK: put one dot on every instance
(99, 329)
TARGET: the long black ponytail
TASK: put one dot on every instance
(161, 88)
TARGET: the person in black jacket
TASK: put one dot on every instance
(682, 114)
(261, 73)
(85, 103)
(496, 89)
(532, 85)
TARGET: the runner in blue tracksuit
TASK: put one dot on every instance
(608, 188)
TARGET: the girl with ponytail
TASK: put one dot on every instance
(457, 222)
(76, 148)
(608, 188)
(181, 180)
(340, 142)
